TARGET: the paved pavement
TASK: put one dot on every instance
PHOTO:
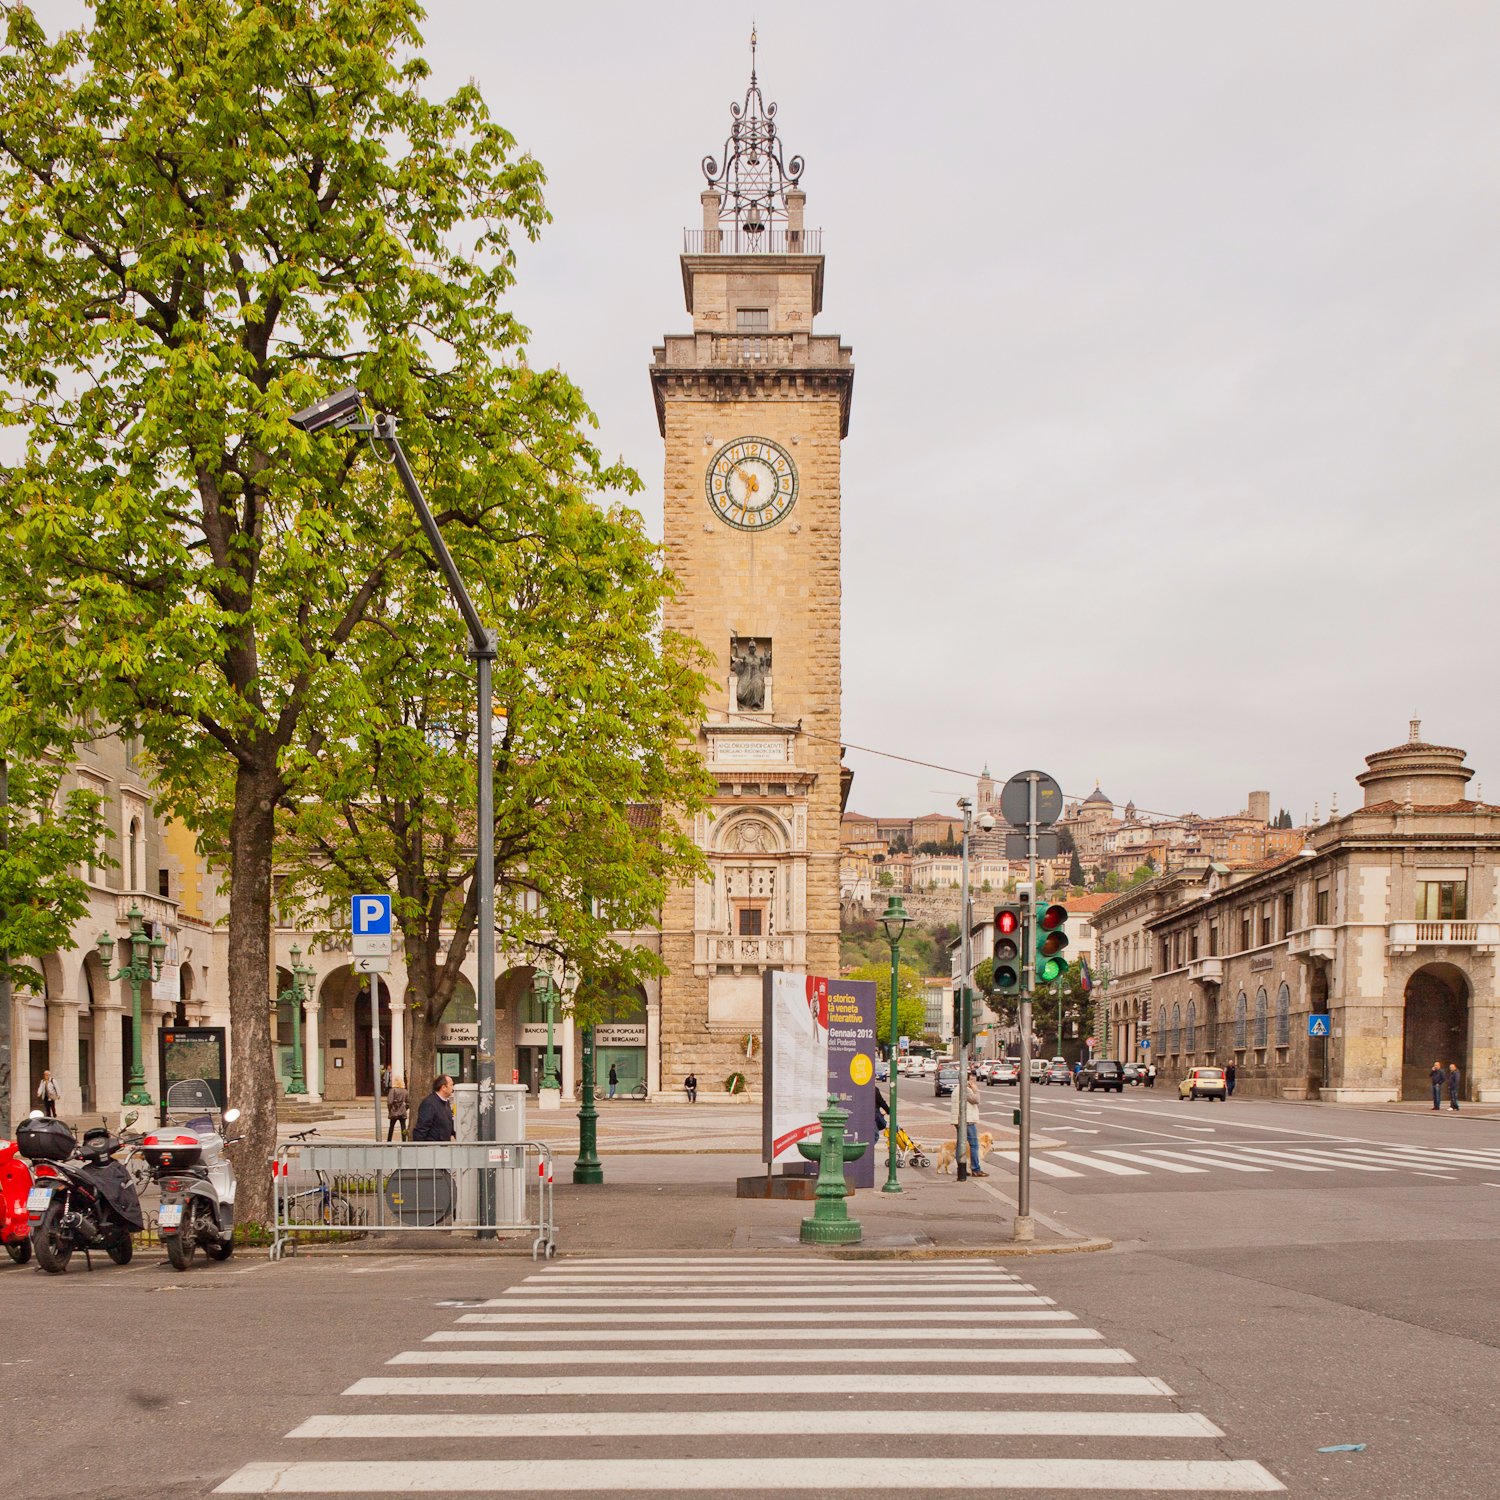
(660, 1376)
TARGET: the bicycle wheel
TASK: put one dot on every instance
(338, 1210)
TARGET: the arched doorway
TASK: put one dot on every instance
(1436, 1026)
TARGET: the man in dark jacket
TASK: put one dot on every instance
(435, 1117)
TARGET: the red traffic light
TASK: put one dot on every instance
(1052, 917)
(1006, 920)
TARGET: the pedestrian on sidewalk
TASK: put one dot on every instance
(46, 1091)
(1436, 1076)
(1229, 1076)
(1150, 1075)
(882, 1110)
(397, 1108)
(614, 1080)
(971, 1095)
(1455, 1078)
(690, 1085)
(435, 1117)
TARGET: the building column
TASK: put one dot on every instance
(312, 1056)
(397, 1059)
(62, 1049)
(569, 1052)
(22, 1090)
(108, 1089)
(653, 1047)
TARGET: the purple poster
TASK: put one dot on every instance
(851, 1067)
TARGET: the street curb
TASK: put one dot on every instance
(1003, 1251)
(1007, 1250)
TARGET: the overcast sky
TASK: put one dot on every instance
(1205, 294)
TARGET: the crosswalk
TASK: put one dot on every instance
(777, 1374)
(1305, 1157)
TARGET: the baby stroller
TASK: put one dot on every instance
(908, 1152)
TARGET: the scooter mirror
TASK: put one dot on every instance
(230, 1116)
(131, 1118)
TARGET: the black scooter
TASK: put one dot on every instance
(81, 1197)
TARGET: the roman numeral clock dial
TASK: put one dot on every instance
(752, 484)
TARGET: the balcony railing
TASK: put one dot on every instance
(1407, 937)
(753, 351)
(735, 240)
(1206, 970)
(1310, 943)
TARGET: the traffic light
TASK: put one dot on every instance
(1051, 939)
(1007, 960)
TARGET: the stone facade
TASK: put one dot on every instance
(771, 833)
(1388, 922)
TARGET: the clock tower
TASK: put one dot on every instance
(753, 405)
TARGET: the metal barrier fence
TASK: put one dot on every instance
(346, 1188)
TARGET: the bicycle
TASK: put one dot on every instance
(318, 1204)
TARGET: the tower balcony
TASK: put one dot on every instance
(739, 240)
(1311, 943)
(1206, 971)
(752, 351)
(716, 953)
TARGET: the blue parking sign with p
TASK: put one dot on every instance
(1317, 1025)
(371, 915)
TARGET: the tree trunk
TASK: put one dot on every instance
(423, 1062)
(252, 1073)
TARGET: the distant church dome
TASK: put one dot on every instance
(1097, 796)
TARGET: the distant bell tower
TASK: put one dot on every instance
(753, 406)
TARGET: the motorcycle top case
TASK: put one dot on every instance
(176, 1149)
(45, 1140)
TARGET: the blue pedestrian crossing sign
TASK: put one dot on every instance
(371, 916)
(1317, 1025)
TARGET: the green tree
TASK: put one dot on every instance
(911, 1009)
(216, 213)
(596, 735)
(886, 880)
(1075, 870)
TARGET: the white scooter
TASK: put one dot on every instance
(195, 1178)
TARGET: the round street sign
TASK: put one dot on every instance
(1015, 800)
(1093, 1041)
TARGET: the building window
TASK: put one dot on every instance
(1161, 1027)
(1192, 1027)
(1442, 900)
(1245, 933)
(1283, 1017)
(1265, 923)
(1213, 939)
(1193, 944)
(753, 320)
(1262, 1016)
(750, 920)
(1166, 956)
(164, 883)
(1286, 914)
(1321, 904)
(1241, 1022)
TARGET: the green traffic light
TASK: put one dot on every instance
(1051, 939)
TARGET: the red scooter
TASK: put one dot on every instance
(15, 1184)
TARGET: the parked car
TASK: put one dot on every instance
(1134, 1074)
(1058, 1074)
(1101, 1073)
(946, 1080)
(1203, 1083)
(1038, 1070)
(882, 1072)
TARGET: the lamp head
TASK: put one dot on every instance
(106, 946)
(894, 919)
(341, 409)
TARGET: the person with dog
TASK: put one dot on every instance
(970, 1096)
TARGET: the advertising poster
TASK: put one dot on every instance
(795, 1029)
(851, 1067)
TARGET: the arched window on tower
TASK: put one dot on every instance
(1242, 1022)
(1192, 1027)
(1176, 1028)
(1283, 1017)
(134, 855)
(1262, 1016)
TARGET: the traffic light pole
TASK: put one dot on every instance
(1025, 1226)
(960, 1038)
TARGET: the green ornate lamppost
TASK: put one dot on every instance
(894, 921)
(546, 992)
(301, 976)
(147, 955)
(588, 1168)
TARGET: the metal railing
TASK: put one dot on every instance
(339, 1189)
(735, 239)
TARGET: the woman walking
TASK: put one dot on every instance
(397, 1106)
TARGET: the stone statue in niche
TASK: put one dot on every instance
(750, 665)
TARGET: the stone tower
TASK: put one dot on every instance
(753, 406)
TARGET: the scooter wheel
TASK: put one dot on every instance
(121, 1254)
(218, 1249)
(52, 1243)
(19, 1251)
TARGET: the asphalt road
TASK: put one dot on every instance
(1296, 1276)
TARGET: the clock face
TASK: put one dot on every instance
(752, 483)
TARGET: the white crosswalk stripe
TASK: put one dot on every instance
(707, 1394)
(1309, 1157)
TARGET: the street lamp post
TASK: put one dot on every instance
(588, 1168)
(296, 994)
(343, 411)
(547, 991)
(147, 954)
(894, 921)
